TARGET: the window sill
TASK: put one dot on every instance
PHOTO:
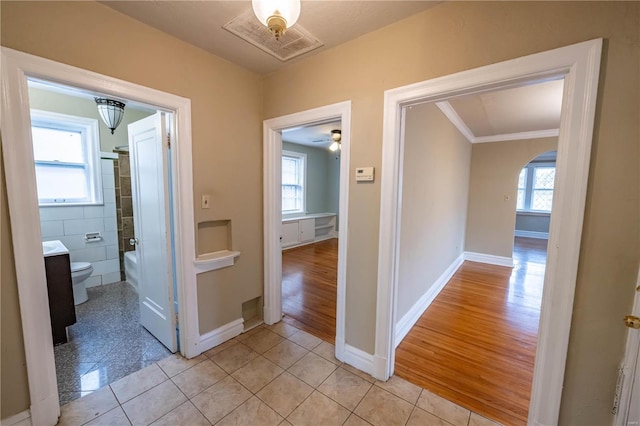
(71, 204)
(532, 213)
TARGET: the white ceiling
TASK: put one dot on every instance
(317, 135)
(200, 23)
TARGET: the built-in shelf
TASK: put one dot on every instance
(211, 261)
(306, 229)
(329, 225)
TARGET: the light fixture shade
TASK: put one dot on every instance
(111, 112)
(335, 146)
(336, 135)
(272, 12)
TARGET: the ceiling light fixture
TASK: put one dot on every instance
(336, 135)
(277, 15)
(111, 112)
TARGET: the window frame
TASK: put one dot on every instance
(89, 130)
(302, 158)
(528, 189)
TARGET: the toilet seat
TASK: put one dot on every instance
(80, 266)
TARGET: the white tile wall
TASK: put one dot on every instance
(69, 224)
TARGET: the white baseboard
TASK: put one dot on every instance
(23, 418)
(488, 258)
(532, 234)
(220, 335)
(411, 317)
(359, 359)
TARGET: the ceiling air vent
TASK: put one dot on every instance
(295, 42)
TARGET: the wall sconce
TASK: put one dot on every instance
(111, 112)
(277, 15)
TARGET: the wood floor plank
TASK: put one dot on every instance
(476, 343)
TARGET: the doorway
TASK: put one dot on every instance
(310, 227)
(273, 213)
(579, 65)
(22, 195)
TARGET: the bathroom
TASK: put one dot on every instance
(98, 236)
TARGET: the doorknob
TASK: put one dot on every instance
(632, 321)
(133, 241)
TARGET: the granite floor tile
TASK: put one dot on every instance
(199, 377)
(234, 357)
(345, 388)
(154, 403)
(400, 387)
(285, 393)
(176, 363)
(285, 354)
(419, 417)
(318, 410)
(138, 382)
(443, 408)
(111, 418)
(305, 339)
(312, 369)
(221, 399)
(88, 408)
(327, 351)
(263, 340)
(381, 408)
(252, 412)
(257, 374)
(186, 414)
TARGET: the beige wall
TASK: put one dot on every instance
(495, 168)
(14, 392)
(456, 36)
(225, 100)
(81, 107)
(435, 191)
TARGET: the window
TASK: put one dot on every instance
(67, 161)
(293, 182)
(535, 187)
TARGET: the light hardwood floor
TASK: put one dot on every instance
(476, 343)
(309, 283)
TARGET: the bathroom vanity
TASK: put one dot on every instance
(59, 287)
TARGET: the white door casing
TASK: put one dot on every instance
(149, 185)
(17, 150)
(579, 64)
(272, 163)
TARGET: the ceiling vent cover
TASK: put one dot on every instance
(295, 42)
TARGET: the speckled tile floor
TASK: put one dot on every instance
(271, 375)
(106, 343)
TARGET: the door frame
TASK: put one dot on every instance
(579, 64)
(272, 162)
(25, 218)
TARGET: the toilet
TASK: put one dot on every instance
(80, 271)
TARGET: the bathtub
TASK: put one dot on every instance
(131, 269)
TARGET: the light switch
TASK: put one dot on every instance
(206, 201)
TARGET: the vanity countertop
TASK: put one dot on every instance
(53, 248)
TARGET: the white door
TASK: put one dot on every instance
(628, 413)
(149, 183)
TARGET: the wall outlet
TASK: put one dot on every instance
(206, 201)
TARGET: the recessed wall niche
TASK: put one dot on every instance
(213, 236)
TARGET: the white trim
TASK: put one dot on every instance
(489, 259)
(549, 133)
(579, 64)
(272, 163)
(459, 123)
(16, 418)
(221, 334)
(532, 234)
(359, 359)
(413, 315)
(215, 260)
(24, 213)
